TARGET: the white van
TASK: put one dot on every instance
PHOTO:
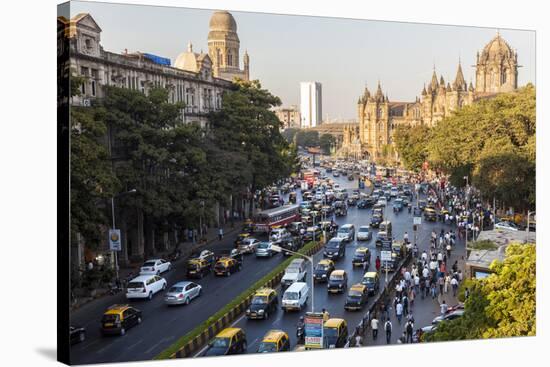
(295, 297)
(145, 286)
(346, 232)
(295, 272)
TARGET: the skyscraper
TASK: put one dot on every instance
(310, 104)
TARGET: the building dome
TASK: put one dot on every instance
(496, 49)
(223, 21)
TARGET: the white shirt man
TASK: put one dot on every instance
(374, 324)
(399, 309)
(439, 256)
(424, 256)
(433, 265)
(407, 276)
(425, 272)
(416, 280)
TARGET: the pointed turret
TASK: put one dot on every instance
(449, 86)
(424, 90)
(471, 87)
(441, 81)
(459, 83)
(379, 94)
(433, 84)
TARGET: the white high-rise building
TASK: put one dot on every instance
(310, 104)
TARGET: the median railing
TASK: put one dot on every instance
(192, 342)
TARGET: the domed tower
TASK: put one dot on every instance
(497, 67)
(224, 46)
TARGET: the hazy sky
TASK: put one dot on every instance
(342, 54)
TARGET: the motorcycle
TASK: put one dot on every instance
(300, 333)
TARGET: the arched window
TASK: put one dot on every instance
(504, 72)
(379, 112)
(229, 59)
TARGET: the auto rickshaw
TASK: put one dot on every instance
(399, 249)
(292, 197)
(241, 237)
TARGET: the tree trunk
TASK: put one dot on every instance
(123, 258)
(140, 245)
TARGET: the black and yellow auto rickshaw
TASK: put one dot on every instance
(335, 333)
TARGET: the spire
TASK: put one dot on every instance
(441, 81)
(434, 80)
(424, 90)
(459, 83)
(189, 47)
(379, 94)
(471, 87)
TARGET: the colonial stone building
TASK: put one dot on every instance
(289, 116)
(496, 72)
(193, 79)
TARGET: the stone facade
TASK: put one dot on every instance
(190, 80)
(289, 117)
(496, 72)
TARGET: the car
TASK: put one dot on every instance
(263, 302)
(155, 266)
(248, 245)
(117, 319)
(429, 214)
(295, 272)
(312, 233)
(448, 317)
(295, 228)
(229, 341)
(337, 282)
(264, 249)
(240, 238)
(364, 233)
(364, 203)
(182, 293)
(382, 201)
(336, 174)
(506, 225)
(346, 232)
(77, 334)
(322, 270)
(274, 341)
(145, 286)
(335, 333)
(295, 297)
(205, 255)
(361, 257)
(375, 220)
(278, 233)
(422, 204)
(225, 266)
(357, 297)
(398, 205)
(381, 237)
(335, 248)
(394, 192)
(197, 268)
(372, 280)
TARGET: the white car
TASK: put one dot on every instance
(509, 226)
(448, 317)
(155, 266)
(364, 233)
(382, 201)
(182, 293)
(248, 246)
(278, 233)
(145, 286)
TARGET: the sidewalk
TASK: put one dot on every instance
(186, 248)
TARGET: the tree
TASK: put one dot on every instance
(411, 143)
(502, 305)
(307, 138)
(327, 141)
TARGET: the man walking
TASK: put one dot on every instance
(409, 331)
(374, 326)
(444, 308)
(454, 284)
(220, 233)
(399, 311)
(388, 328)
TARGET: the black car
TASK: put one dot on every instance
(77, 334)
(322, 271)
(422, 204)
(335, 249)
(337, 282)
(382, 238)
(265, 300)
(376, 220)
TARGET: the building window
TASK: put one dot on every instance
(229, 59)
(504, 76)
(93, 88)
(84, 71)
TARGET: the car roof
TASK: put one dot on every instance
(116, 309)
(142, 278)
(182, 283)
(347, 225)
(151, 260)
(264, 292)
(333, 322)
(362, 249)
(364, 227)
(228, 332)
(338, 272)
(357, 287)
(326, 262)
(371, 274)
(273, 335)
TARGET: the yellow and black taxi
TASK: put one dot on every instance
(197, 268)
(429, 214)
(357, 297)
(371, 280)
(337, 282)
(274, 341)
(263, 302)
(361, 257)
(226, 266)
(322, 271)
(248, 226)
(240, 238)
(228, 341)
(119, 318)
(335, 333)
(399, 249)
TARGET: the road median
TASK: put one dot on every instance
(197, 338)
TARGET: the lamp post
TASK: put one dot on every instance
(529, 213)
(114, 253)
(308, 258)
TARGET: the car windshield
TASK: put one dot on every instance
(220, 343)
(193, 266)
(267, 347)
(321, 267)
(368, 280)
(263, 245)
(337, 277)
(175, 290)
(292, 296)
(293, 270)
(363, 230)
(330, 332)
(110, 318)
(259, 300)
(149, 263)
(333, 245)
(360, 253)
(135, 285)
(354, 293)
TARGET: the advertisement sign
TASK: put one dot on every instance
(313, 330)
(417, 220)
(385, 255)
(115, 243)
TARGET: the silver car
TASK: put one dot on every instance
(182, 293)
(248, 246)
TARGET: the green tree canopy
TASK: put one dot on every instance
(327, 141)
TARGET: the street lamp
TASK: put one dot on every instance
(308, 258)
(114, 253)
(529, 213)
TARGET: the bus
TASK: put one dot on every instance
(265, 220)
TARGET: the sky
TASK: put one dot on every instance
(343, 54)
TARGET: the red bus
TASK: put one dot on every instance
(265, 220)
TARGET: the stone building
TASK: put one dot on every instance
(496, 72)
(193, 78)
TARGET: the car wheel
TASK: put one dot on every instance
(186, 302)
(150, 297)
(139, 320)
(81, 337)
(244, 347)
(164, 286)
(229, 273)
(158, 272)
(266, 315)
(169, 267)
(122, 331)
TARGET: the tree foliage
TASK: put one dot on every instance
(411, 142)
(502, 305)
(326, 142)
